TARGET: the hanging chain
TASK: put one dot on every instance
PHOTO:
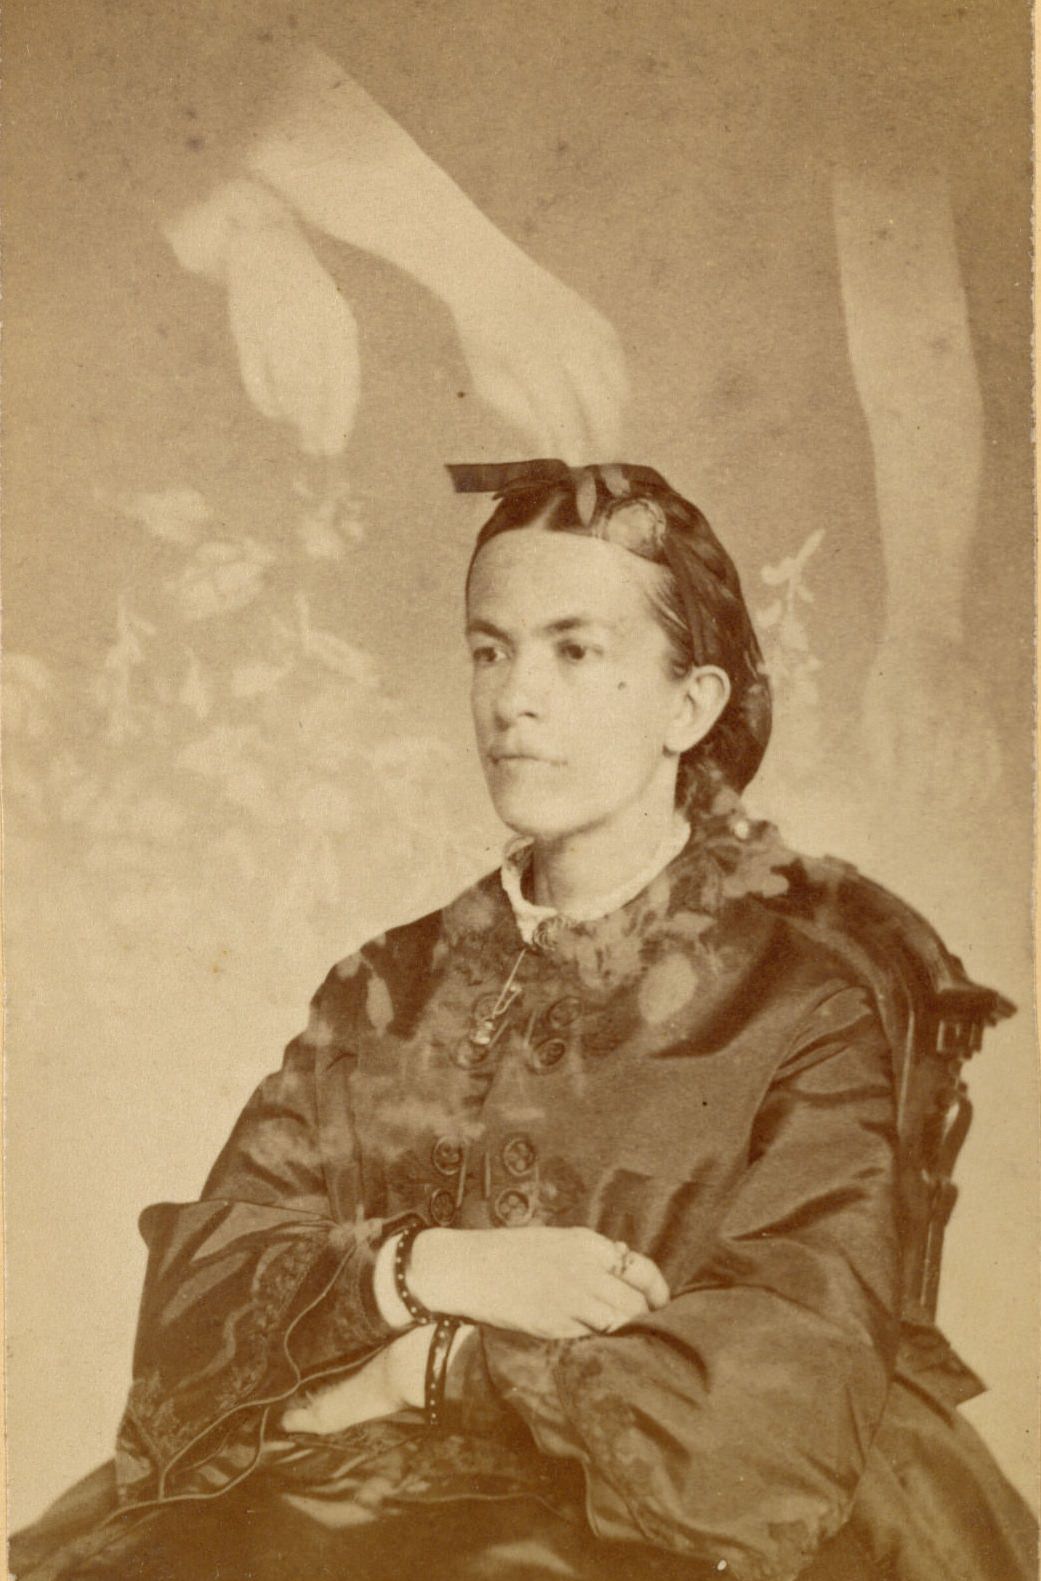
(487, 1028)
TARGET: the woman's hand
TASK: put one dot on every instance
(550, 1283)
(361, 1396)
(394, 1380)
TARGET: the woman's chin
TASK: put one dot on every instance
(534, 818)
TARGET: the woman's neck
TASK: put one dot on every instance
(573, 870)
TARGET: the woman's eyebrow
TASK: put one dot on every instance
(578, 622)
(486, 629)
(553, 629)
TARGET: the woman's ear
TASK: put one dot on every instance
(705, 692)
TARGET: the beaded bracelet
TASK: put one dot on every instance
(415, 1309)
(437, 1369)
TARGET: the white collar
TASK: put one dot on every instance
(528, 915)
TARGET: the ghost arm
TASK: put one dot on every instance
(329, 156)
(907, 329)
(910, 347)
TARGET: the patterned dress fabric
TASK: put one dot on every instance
(689, 1074)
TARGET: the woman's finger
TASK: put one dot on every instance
(599, 1317)
(633, 1268)
(621, 1301)
(604, 1314)
(629, 1302)
(645, 1276)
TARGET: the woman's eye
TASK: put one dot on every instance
(575, 652)
(485, 655)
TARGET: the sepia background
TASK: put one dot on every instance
(237, 739)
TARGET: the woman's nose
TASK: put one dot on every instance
(519, 693)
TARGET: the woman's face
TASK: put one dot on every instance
(574, 705)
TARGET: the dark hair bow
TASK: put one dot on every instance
(501, 478)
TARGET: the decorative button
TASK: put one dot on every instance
(563, 1013)
(545, 932)
(447, 1155)
(548, 1053)
(442, 1206)
(512, 1206)
(518, 1155)
(485, 1021)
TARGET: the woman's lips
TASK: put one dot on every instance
(501, 758)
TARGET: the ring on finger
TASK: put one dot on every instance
(622, 1260)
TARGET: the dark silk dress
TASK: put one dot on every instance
(688, 1074)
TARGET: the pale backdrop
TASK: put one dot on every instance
(237, 733)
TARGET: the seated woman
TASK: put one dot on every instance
(564, 1243)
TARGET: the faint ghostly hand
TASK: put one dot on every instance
(544, 359)
(927, 726)
(296, 337)
(539, 355)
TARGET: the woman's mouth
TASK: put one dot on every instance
(516, 758)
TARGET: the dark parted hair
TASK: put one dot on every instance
(700, 605)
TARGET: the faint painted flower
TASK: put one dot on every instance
(343, 658)
(318, 540)
(176, 515)
(112, 688)
(221, 577)
(333, 520)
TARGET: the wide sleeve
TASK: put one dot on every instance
(257, 1286)
(733, 1425)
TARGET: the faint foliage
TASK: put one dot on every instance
(330, 523)
(231, 769)
(221, 576)
(178, 516)
(113, 688)
(790, 663)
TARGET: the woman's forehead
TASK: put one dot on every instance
(537, 578)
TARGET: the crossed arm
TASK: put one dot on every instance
(549, 1284)
(698, 1414)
